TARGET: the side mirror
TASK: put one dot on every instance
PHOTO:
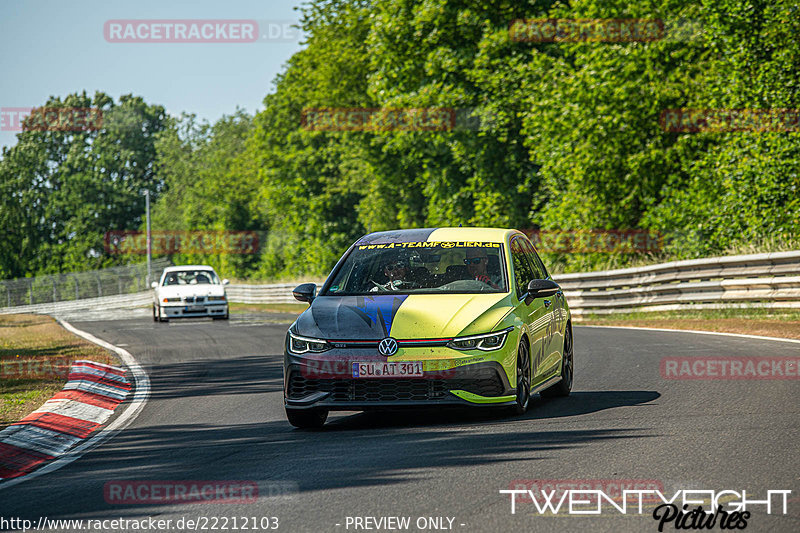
(154, 284)
(226, 281)
(541, 288)
(305, 292)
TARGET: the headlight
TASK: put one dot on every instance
(300, 345)
(216, 298)
(166, 300)
(487, 342)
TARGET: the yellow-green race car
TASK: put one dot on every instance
(428, 317)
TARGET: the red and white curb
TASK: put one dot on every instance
(92, 392)
(71, 422)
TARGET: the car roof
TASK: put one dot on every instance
(187, 267)
(437, 234)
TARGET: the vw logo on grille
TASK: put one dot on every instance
(387, 346)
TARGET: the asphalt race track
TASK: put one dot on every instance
(216, 413)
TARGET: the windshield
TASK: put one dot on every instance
(421, 267)
(191, 277)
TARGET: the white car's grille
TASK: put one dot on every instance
(194, 299)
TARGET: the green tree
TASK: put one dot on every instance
(64, 188)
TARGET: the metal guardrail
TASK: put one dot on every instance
(277, 293)
(93, 305)
(758, 280)
(76, 286)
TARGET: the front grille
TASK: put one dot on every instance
(486, 382)
(194, 299)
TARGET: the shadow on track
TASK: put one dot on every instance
(367, 449)
(311, 461)
(255, 374)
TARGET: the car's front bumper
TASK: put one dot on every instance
(334, 388)
(186, 311)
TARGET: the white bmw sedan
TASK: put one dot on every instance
(189, 291)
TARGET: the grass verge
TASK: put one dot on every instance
(783, 323)
(35, 354)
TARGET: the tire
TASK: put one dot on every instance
(307, 418)
(155, 318)
(523, 379)
(161, 315)
(563, 387)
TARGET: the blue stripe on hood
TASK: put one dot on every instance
(380, 309)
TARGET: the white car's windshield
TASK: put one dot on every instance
(424, 267)
(191, 277)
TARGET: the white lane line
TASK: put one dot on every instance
(699, 332)
(132, 410)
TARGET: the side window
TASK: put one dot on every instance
(522, 269)
(539, 271)
(538, 261)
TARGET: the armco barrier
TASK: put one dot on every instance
(758, 280)
(73, 286)
(278, 293)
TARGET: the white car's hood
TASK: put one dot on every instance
(182, 291)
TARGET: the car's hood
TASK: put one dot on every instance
(417, 316)
(179, 291)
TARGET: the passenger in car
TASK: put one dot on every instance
(397, 274)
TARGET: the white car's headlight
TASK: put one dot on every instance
(166, 300)
(301, 345)
(487, 342)
(216, 298)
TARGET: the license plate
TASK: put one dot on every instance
(410, 369)
(194, 308)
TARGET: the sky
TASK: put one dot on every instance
(54, 48)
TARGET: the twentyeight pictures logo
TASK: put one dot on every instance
(682, 509)
(199, 31)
